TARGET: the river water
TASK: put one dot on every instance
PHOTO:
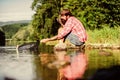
(48, 64)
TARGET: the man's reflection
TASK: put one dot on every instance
(46, 58)
(72, 66)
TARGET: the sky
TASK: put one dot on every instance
(15, 10)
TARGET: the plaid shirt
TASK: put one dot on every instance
(74, 26)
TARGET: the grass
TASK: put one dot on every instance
(104, 36)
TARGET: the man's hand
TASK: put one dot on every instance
(44, 40)
(59, 19)
(49, 39)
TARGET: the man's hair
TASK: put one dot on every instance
(66, 12)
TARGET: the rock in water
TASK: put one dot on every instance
(60, 46)
(2, 38)
(32, 46)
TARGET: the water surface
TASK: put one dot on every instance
(44, 65)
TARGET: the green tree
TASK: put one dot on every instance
(44, 20)
(95, 13)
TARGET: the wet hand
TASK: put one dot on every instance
(44, 40)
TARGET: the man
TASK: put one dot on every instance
(72, 30)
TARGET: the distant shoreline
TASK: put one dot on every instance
(2, 23)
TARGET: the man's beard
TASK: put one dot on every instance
(63, 21)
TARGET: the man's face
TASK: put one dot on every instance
(63, 17)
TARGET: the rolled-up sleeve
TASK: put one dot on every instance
(66, 29)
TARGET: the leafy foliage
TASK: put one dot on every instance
(44, 20)
(95, 13)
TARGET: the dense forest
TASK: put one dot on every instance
(94, 14)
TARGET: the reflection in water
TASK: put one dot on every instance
(71, 66)
(13, 68)
(105, 53)
(42, 71)
(46, 58)
(53, 65)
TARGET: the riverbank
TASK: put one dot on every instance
(92, 46)
(98, 38)
(108, 38)
(102, 46)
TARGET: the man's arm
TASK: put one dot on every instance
(49, 39)
(66, 28)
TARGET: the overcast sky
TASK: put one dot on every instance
(14, 10)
